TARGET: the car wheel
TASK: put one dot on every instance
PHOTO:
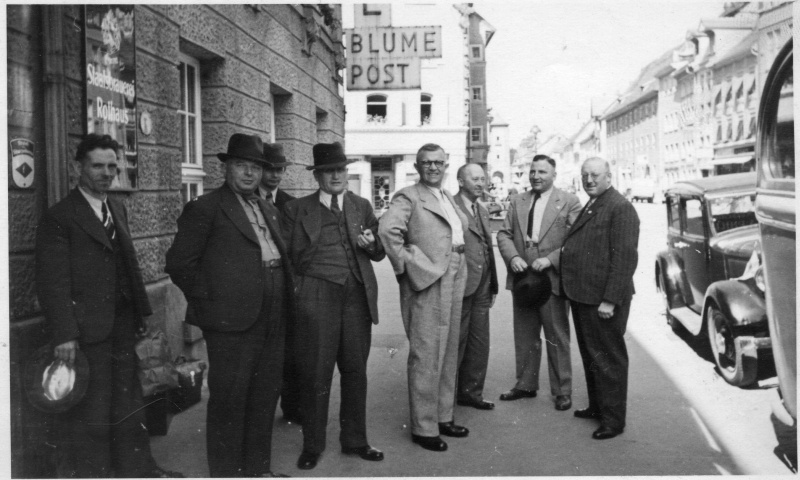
(734, 366)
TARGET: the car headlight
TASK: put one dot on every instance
(753, 266)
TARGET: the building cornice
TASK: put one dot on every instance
(407, 129)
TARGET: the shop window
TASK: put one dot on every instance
(191, 142)
(476, 134)
(477, 93)
(425, 101)
(376, 108)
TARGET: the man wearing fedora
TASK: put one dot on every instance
(423, 233)
(530, 240)
(230, 261)
(274, 169)
(91, 289)
(479, 292)
(598, 261)
(331, 241)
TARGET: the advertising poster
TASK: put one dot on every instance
(111, 83)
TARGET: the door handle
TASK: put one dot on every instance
(680, 245)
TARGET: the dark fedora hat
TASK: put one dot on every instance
(531, 288)
(329, 155)
(273, 155)
(52, 385)
(245, 147)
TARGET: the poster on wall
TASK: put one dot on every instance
(111, 83)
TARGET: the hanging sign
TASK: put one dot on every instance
(111, 83)
(22, 162)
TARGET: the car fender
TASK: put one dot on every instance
(670, 268)
(740, 302)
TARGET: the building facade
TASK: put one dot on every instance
(202, 73)
(498, 168)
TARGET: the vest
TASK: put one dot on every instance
(334, 259)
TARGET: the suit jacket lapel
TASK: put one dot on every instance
(483, 216)
(235, 212)
(119, 225)
(551, 212)
(523, 209)
(88, 221)
(312, 221)
(352, 218)
(589, 213)
(473, 222)
(461, 216)
(270, 213)
(430, 202)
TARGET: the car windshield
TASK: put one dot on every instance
(733, 212)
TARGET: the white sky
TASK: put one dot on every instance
(548, 59)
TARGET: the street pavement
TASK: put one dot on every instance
(683, 419)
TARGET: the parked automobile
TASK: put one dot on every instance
(776, 215)
(643, 189)
(711, 238)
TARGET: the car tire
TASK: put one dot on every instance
(737, 368)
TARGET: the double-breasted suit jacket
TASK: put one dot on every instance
(76, 272)
(560, 212)
(216, 261)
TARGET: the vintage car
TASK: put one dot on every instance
(711, 238)
(776, 207)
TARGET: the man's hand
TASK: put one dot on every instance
(541, 264)
(66, 351)
(366, 240)
(605, 310)
(518, 264)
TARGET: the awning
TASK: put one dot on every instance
(733, 159)
(725, 87)
(736, 83)
(749, 80)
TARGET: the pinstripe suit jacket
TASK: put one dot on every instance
(600, 255)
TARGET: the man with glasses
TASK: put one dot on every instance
(598, 260)
(423, 234)
(230, 261)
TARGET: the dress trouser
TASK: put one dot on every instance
(104, 434)
(244, 381)
(552, 317)
(432, 319)
(473, 343)
(605, 360)
(334, 327)
(290, 392)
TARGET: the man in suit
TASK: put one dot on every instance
(274, 168)
(331, 239)
(423, 233)
(533, 232)
(479, 292)
(91, 289)
(598, 261)
(229, 260)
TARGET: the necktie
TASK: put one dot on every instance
(335, 205)
(108, 223)
(268, 198)
(474, 210)
(530, 215)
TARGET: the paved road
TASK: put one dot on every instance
(683, 418)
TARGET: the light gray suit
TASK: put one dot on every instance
(560, 213)
(418, 240)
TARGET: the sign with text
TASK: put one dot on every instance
(111, 83)
(388, 58)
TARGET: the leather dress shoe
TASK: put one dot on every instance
(158, 472)
(452, 430)
(479, 404)
(292, 416)
(366, 452)
(273, 475)
(435, 444)
(603, 433)
(516, 394)
(587, 413)
(563, 402)
(307, 460)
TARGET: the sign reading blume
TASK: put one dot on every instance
(111, 83)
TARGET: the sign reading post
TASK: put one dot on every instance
(388, 58)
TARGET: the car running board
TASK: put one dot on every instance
(688, 318)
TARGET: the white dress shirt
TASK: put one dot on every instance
(450, 213)
(538, 214)
(96, 204)
(325, 199)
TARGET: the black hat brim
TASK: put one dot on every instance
(225, 157)
(331, 166)
(531, 288)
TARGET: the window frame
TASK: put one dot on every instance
(423, 102)
(472, 131)
(191, 173)
(384, 102)
(476, 89)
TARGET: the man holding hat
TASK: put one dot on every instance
(423, 233)
(229, 260)
(274, 169)
(530, 243)
(91, 289)
(330, 236)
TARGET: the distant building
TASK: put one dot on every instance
(385, 128)
(498, 168)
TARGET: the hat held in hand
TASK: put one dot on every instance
(52, 385)
(531, 288)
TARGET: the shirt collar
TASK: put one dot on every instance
(325, 198)
(545, 195)
(467, 202)
(437, 192)
(262, 192)
(93, 201)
